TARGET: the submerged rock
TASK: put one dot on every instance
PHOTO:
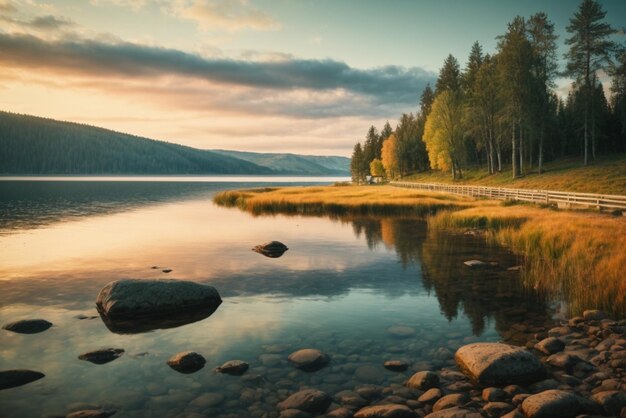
(480, 263)
(91, 413)
(18, 377)
(401, 331)
(167, 270)
(308, 400)
(495, 364)
(396, 365)
(308, 359)
(28, 326)
(386, 411)
(132, 306)
(103, 356)
(272, 249)
(186, 362)
(423, 380)
(233, 367)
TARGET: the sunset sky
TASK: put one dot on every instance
(304, 76)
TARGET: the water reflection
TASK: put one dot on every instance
(343, 283)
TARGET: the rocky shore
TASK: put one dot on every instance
(577, 369)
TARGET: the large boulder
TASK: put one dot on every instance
(495, 364)
(130, 306)
(552, 404)
(18, 377)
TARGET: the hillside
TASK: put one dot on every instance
(33, 145)
(295, 164)
(606, 175)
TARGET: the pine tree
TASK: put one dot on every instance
(590, 49)
(357, 165)
(449, 76)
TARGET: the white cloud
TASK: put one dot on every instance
(228, 15)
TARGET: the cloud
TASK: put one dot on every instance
(384, 85)
(7, 7)
(229, 15)
(47, 23)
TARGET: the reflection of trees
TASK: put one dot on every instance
(482, 294)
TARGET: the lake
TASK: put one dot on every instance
(363, 290)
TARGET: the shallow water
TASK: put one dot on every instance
(339, 288)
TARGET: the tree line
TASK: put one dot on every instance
(502, 110)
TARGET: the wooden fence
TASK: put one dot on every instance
(566, 199)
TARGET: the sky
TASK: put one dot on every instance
(302, 76)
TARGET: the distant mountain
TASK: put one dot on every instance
(34, 145)
(294, 163)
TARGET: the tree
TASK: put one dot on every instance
(358, 165)
(370, 151)
(476, 135)
(449, 76)
(444, 133)
(390, 157)
(384, 134)
(377, 169)
(411, 151)
(543, 43)
(589, 52)
(618, 98)
(515, 80)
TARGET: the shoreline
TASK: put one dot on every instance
(576, 254)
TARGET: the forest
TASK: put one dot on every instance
(502, 111)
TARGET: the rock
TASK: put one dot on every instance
(494, 395)
(495, 364)
(18, 377)
(386, 411)
(294, 413)
(611, 401)
(308, 359)
(593, 315)
(28, 326)
(340, 413)
(141, 305)
(431, 396)
(552, 404)
(497, 409)
(369, 373)
(186, 362)
(479, 263)
(513, 414)
(396, 365)
(563, 360)
(166, 270)
(423, 380)
(103, 356)
(309, 400)
(207, 400)
(91, 413)
(233, 367)
(455, 412)
(350, 399)
(550, 345)
(273, 249)
(450, 401)
(401, 331)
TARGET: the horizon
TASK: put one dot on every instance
(255, 76)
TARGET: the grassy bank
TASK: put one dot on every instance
(607, 176)
(341, 200)
(575, 255)
(578, 256)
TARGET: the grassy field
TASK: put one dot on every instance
(577, 255)
(607, 176)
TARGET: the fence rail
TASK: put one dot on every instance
(567, 199)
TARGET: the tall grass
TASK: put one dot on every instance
(349, 200)
(579, 257)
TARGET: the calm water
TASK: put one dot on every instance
(340, 287)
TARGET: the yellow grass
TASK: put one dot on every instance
(606, 176)
(579, 256)
(332, 200)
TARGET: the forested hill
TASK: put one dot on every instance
(33, 145)
(295, 163)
